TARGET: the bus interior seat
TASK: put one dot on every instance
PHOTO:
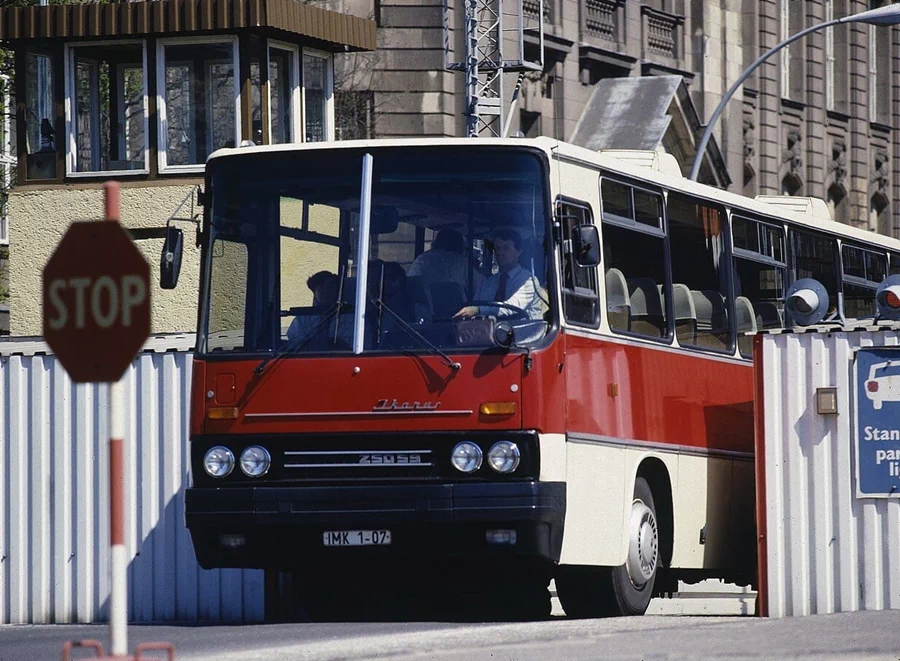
(685, 313)
(712, 326)
(446, 298)
(418, 294)
(744, 322)
(618, 302)
(768, 315)
(647, 316)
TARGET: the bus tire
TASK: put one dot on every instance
(625, 590)
(632, 582)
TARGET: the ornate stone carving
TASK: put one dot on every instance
(793, 154)
(749, 137)
(882, 173)
(749, 148)
(837, 166)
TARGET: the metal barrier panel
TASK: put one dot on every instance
(54, 496)
(827, 550)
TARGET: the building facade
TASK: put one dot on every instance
(818, 119)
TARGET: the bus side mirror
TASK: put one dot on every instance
(170, 263)
(586, 245)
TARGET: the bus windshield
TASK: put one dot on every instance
(457, 243)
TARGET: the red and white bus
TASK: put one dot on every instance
(373, 410)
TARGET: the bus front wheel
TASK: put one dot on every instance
(624, 590)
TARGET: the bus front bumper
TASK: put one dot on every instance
(281, 527)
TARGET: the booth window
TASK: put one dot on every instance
(284, 94)
(40, 132)
(317, 97)
(106, 122)
(198, 103)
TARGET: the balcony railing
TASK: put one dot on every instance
(601, 19)
(531, 8)
(663, 34)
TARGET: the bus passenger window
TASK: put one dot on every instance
(697, 236)
(759, 274)
(634, 260)
(815, 256)
(895, 264)
(580, 298)
(863, 272)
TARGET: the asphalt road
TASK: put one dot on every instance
(849, 636)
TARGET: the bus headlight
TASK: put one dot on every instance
(255, 461)
(504, 456)
(466, 457)
(218, 461)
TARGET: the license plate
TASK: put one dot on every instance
(356, 537)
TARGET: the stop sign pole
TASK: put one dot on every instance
(96, 312)
(118, 601)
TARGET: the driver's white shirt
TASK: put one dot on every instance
(522, 290)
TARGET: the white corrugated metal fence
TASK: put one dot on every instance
(827, 550)
(54, 507)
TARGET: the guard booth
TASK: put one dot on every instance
(828, 468)
(143, 92)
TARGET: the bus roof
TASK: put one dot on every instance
(606, 160)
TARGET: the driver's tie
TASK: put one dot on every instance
(501, 288)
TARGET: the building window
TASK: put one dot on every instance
(879, 74)
(793, 56)
(199, 108)
(829, 57)
(284, 93)
(40, 117)
(106, 96)
(318, 108)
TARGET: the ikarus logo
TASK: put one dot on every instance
(883, 384)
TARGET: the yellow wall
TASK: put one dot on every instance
(39, 218)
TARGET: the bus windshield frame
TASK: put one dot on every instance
(286, 236)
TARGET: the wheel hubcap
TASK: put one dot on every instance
(643, 544)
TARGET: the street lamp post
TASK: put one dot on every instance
(889, 15)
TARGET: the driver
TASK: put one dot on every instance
(512, 285)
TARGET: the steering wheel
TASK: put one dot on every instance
(518, 313)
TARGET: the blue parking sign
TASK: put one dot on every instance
(878, 422)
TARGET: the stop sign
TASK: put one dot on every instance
(96, 301)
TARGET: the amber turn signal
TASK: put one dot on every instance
(498, 408)
(222, 413)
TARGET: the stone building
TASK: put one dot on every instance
(817, 119)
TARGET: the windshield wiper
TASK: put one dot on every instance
(413, 333)
(297, 343)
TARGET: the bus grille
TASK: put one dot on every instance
(362, 463)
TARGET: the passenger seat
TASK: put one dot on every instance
(647, 315)
(618, 302)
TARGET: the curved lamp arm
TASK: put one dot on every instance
(887, 15)
(707, 131)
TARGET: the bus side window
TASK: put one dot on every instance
(580, 297)
(759, 274)
(863, 272)
(697, 237)
(634, 259)
(894, 268)
(815, 256)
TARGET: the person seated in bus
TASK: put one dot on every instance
(396, 295)
(325, 287)
(445, 261)
(511, 285)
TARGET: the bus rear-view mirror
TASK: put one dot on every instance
(170, 262)
(586, 245)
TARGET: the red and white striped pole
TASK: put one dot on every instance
(118, 612)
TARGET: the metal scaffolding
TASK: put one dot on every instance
(491, 29)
